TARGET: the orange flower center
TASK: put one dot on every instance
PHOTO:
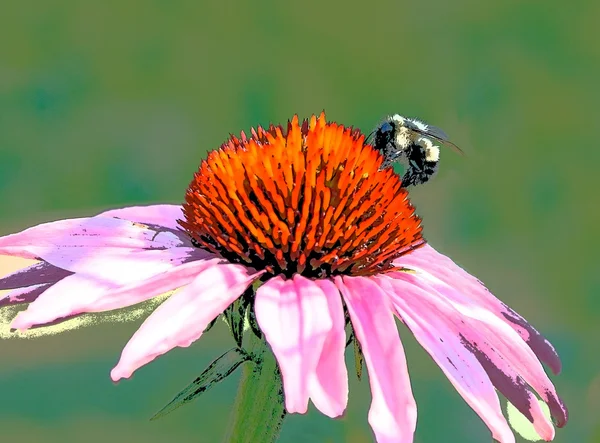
(308, 200)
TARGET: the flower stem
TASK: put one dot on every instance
(258, 411)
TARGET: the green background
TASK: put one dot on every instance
(107, 104)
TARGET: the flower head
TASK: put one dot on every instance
(306, 212)
(311, 202)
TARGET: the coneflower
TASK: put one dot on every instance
(300, 228)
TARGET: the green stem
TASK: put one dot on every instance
(258, 411)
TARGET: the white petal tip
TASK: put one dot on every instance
(338, 413)
(296, 409)
(20, 323)
(117, 374)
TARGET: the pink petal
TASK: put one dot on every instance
(122, 265)
(35, 274)
(509, 362)
(446, 270)
(182, 318)
(430, 320)
(514, 388)
(328, 389)
(393, 413)
(55, 302)
(161, 215)
(25, 294)
(294, 316)
(54, 242)
(542, 427)
(28, 283)
(86, 293)
(142, 290)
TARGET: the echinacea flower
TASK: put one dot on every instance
(306, 215)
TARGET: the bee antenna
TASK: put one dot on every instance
(368, 137)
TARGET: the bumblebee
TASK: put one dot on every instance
(412, 142)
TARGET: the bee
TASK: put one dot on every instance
(412, 142)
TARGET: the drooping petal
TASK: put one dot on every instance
(28, 283)
(35, 274)
(161, 215)
(509, 362)
(54, 303)
(431, 321)
(81, 293)
(53, 241)
(516, 390)
(393, 412)
(181, 319)
(328, 389)
(26, 294)
(294, 316)
(442, 267)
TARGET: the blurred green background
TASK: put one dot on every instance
(107, 104)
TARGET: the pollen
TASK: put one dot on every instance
(308, 199)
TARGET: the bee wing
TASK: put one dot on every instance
(453, 146)
(438, 133)
(441, 136)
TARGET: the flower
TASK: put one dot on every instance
(307, 213)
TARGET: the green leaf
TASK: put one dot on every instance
(210, 325)
(237, 322)
(358, 355)
(236, 316)
(358, 358)
(254, 324)
(217, 371)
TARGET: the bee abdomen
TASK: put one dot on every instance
(417, 174)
